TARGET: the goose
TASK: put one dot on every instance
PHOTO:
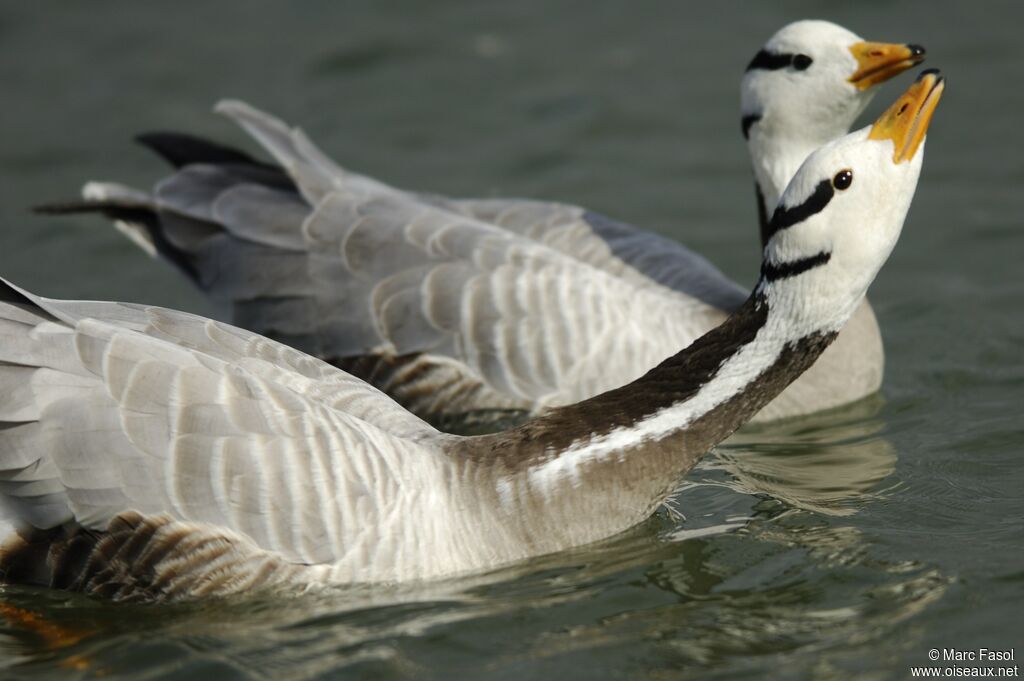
(158, 455)
(250, 233)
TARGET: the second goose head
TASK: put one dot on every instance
(806, 87)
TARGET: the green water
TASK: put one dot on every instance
(845, 545)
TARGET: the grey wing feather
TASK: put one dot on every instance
(218, 198)
(312, 170)
(106, 407)
(611, 245)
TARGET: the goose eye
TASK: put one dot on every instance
(843, 179)
(802, 62)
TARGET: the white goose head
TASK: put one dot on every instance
(806, 87)
(840, 216)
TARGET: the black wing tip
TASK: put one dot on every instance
(9, 294)
(70, 207)
(180, 149)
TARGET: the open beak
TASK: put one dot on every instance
(906, 121)
(878, 62)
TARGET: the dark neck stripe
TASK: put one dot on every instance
(772, 272)
(762, 215)
(748, 121)
(784, 217)
(770, 61)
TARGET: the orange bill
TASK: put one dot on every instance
(906, 121)
(878, 62)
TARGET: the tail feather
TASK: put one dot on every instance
(180, 149)
(9, 293)
(134, 214)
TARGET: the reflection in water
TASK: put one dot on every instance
(42, 633)
(788, 582)
(827, 463)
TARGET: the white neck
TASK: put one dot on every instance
(775, 158)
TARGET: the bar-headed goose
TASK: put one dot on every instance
(324, 259)
(147, 453)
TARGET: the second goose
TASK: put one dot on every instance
(371, 279)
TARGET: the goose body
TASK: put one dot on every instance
(153, 454)
(445, 304)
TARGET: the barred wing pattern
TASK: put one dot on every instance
(529, 321)
(637, 256)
